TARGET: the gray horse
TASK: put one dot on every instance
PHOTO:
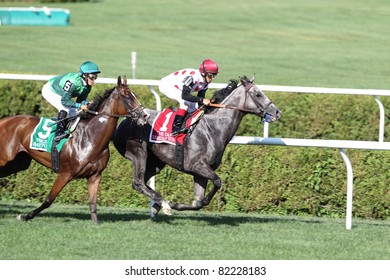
(203, 147)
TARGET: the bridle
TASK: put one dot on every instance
(134, 114)
(260, 111)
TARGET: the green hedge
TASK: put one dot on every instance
(264, 179)
(47, 1)
(65, 1)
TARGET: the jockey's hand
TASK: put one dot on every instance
(206, 101)
(84, 107)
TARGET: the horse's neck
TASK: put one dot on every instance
(98, 130)
(224, 123)
(229, 119)
(236, 98)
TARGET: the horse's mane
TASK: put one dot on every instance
(97, 101)
(221, 94)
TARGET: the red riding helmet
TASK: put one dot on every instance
(208, 66)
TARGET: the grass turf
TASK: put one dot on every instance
(66, 232)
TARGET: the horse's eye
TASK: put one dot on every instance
(258, 95)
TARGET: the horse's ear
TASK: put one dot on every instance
(253, 78)
(244, 80)
(119, 82)
(125, 80)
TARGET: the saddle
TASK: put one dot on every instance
(191, 119)
(162, 126)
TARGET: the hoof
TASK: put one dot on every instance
(21, 217)
(197, 203)
(167, 210)
(94, 217)
(205, 202)
(156, 208)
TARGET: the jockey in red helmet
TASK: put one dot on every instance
(180, 85)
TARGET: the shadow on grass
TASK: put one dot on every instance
(106, 214)
(125, 214)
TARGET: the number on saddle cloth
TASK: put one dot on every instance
(42, 138)
(161, 132)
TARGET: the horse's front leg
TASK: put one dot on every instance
(216, 186)
(159, 201)
(93, 186)
(59, 184)
(200, 184)
(204, 170)
(200, 201)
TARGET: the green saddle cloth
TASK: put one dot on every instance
(43, 136)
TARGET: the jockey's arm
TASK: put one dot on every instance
(186, 95)
(186, 92)
(202, 93)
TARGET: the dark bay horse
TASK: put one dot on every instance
(203, 149)
(85, 155)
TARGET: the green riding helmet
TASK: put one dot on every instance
(89, 67)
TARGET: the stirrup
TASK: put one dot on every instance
(58, 138)
(179, 131)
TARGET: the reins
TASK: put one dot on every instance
(130, 111)
(231, 107)
(112, 115)
(256, 112)
(96, 114)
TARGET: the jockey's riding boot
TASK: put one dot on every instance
(61, 126)
(176, 127)
(178, 121)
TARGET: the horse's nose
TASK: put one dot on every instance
(278, 114)
(144, 119)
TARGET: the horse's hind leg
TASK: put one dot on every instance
(137, 152)
(153, 166)
(59, 184)
(21, 162)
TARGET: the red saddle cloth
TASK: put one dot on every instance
(162, 127)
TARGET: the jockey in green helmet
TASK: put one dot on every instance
(60, 91)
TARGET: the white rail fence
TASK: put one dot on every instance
(341, 145)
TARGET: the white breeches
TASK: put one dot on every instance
(175, 94)
(55, 100)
